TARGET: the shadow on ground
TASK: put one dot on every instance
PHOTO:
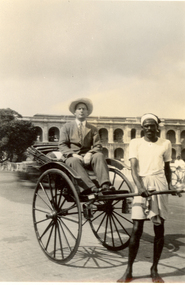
(100, 257)
(97, 257)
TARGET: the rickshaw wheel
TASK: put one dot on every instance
(174, 179)
(110, 220)
(57, 216)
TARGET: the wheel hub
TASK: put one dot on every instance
(107, 208)
(52, 215)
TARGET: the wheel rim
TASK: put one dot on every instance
(109, 224)
(57, 216)
(174, 179)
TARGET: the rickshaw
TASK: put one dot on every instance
(60, 210)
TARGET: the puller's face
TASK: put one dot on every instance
(81, 112)
(150, 129)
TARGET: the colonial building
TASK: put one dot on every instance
(115, 132)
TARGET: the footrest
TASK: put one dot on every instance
(86, 198)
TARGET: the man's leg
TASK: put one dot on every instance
(158, 247)
(133, 249)
(77, 165)
(100, 168)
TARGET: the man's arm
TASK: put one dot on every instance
(96, 143)
(65, 142)
(167, 171)
(96, 147)
(137, 179)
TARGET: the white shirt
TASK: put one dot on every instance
(150, 155)
(83, 125)
(179, 163)
(79, 122)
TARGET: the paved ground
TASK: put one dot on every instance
(22, 260)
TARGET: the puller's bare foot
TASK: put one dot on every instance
(156, 278)
(126, 278)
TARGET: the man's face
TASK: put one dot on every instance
(81, 112)
(150, 129)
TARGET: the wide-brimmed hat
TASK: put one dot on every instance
(85, 101)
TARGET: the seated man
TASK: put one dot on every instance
(81, 147)
(180, 166)
(179, 163)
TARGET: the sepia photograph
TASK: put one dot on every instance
(92, 141)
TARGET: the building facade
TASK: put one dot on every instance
(115, 132)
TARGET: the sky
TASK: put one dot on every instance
(128, 57)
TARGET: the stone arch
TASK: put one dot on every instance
(39, 134)
(103, 135)
(183, 137)
(105, 152)
(53, 134)
(170, 135)
(173, 154)
(118, 135)
(183, 154)
(133, 133)
(119, 153)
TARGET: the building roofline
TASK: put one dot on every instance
(100, 118)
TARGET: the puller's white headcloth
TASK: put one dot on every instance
(150, 116)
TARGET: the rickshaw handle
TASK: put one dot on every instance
(120, 196)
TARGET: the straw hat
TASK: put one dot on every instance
(85, 101)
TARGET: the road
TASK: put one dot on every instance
(23, 261)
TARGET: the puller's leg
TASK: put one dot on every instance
(133, 249)
(158, 247)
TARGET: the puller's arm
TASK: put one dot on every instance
(137, 179)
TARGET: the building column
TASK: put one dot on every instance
(111, 135)
(178, 142)
(127, 135)
(60, 132)
(163, 133)
(126, 154)
(111, 151)
(45, 133)
(178, 136)
(138, 133)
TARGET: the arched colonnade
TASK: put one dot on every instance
(115, 140)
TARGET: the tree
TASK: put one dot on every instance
(7, 115)
(16, 135)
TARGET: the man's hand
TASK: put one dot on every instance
(87, 158)
(77, 156)
(144, 193)
(172, 188)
